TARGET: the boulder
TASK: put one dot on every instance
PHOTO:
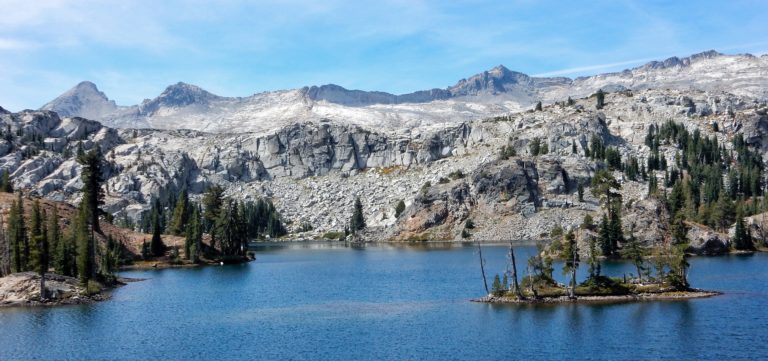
(705, 241)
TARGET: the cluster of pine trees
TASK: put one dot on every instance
(230, 223)
(704, 183)
(709, 184)
(36, 241)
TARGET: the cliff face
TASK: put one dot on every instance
(143, 165)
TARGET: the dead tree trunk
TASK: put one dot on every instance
(482, 268)
(5, 250)
(42, 287)
(516, 286)
(572, 291)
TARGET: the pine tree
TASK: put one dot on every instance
(634, 252)
(538, 107)
(83, 237)
(399, 208)
(6, 185)
(534, 147)
(570, 260)
(180, 215)
(15, 233)
(212, 202)
(93, 195)
(600, 95)
(594, 260)
(580, 191)
(54, 231)
(156, 245)
(678, 229)
(35, 234)
(604, 237)
(194, 235)
(616, 233)
(496, 288)
(742, 240)
(358, 221)
(43, 255)
(63, 247)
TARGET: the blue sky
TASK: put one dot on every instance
(134, 49)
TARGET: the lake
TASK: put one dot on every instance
(329, 302)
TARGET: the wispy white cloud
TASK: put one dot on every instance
(594, 68)
(16, 44)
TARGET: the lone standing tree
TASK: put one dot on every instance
(358, 221)
(43, 253)
(600, 99)
(571, 261)
(93, 195)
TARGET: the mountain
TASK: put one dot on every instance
(490, 93)
(313, 170)
(84, 100)
(177, 96)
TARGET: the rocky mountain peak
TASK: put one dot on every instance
(183, 94)
(87, 86)
(494, 81)
(675, 61)
(499, 71)
(83, 100)
(178, 95)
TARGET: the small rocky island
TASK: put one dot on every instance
(604, 290)
(668, 282)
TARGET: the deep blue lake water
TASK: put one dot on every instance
(315, 301)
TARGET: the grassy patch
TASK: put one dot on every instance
(333, 235)
(602, 286)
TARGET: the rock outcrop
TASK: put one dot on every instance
(705, 241)
(23, 289)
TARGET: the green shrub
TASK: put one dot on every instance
(399, 208)
(457, 174)
(333, 235)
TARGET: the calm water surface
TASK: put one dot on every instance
(328, 302)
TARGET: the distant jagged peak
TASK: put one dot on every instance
(686, 61)
(84, 100)
(709, 54)
(496, 80)
(184, 93)
(178, 95)
(4, 111)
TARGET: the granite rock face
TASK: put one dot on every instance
(314, 169)
(704, 241)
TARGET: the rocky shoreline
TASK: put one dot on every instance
(23, 290)
(639, 297)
